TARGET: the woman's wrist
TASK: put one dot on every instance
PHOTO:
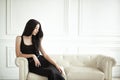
(33, 55)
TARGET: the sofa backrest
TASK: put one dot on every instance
(74, 60)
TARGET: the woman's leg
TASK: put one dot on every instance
(46, 69)
(56, 73)
(43, 72)
(43, 61)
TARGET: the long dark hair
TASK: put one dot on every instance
(30, 26)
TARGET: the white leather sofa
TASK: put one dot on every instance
(75, 67)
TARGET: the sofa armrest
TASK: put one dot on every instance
(22, 63)
(105, 64)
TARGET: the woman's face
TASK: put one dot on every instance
(36, 30)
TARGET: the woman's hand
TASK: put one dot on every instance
(59, 69)
(37, 62)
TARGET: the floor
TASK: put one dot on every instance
(116, 79)
(15, 79)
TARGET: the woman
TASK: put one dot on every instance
(29, 46)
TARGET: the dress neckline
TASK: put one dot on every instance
(26, 44)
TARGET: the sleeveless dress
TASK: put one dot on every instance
(46, 68)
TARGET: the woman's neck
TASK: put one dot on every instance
(28, 37)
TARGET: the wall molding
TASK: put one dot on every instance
(67, 10)
(10, 29)
(8, 17)
(84, 10)
(71, 40)
(10, 57)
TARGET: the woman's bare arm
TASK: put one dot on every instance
(49, 58)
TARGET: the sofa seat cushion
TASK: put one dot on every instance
(32, 76)
(84, 73)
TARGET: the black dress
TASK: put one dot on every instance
(46, 68)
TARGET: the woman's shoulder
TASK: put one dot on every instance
(18, 38)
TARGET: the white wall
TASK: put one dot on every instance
(70, 27)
